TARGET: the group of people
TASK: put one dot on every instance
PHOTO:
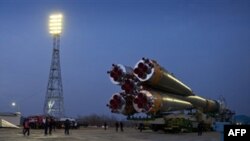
(117, 125)
(49, 124)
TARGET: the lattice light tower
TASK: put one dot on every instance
(54, 103)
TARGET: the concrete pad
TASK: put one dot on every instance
(99, 134)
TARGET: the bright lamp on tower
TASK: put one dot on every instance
(55, 24)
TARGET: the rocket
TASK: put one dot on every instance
(152, 74)
(149, 88)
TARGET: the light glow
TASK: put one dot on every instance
(55, 24)
(13, 104)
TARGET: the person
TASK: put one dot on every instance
(141, 126)
(121, 126)
(50, 124)
(46, 124)
(75, 125)
(200, 128)
(53, 124)
(66, 127)
(26, 127)
(116, 126)
(105, 126)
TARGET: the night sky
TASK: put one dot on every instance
(206, 44)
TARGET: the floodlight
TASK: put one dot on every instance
(55, 24)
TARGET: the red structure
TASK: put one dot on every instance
(36, 121)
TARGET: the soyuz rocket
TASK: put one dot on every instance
(151, 89)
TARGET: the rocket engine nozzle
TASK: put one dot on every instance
(128, 86)
(118, 73)
(144, 69)
(129, 109)
(122, 103)
(142, 102)
(116, 103)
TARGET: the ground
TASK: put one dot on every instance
(99, 134)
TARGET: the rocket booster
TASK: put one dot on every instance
(119, 72)
(129, 109)
(152, 102)
(117, 103)
(152, 74)
(123, 76)
(121, 103)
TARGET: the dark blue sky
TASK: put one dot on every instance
(206, 44)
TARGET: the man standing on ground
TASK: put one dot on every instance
(121, 126)
(200, 128)
(116, 126)
(26, 127)
(46, 125)
(66, 126)
(105, 126)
